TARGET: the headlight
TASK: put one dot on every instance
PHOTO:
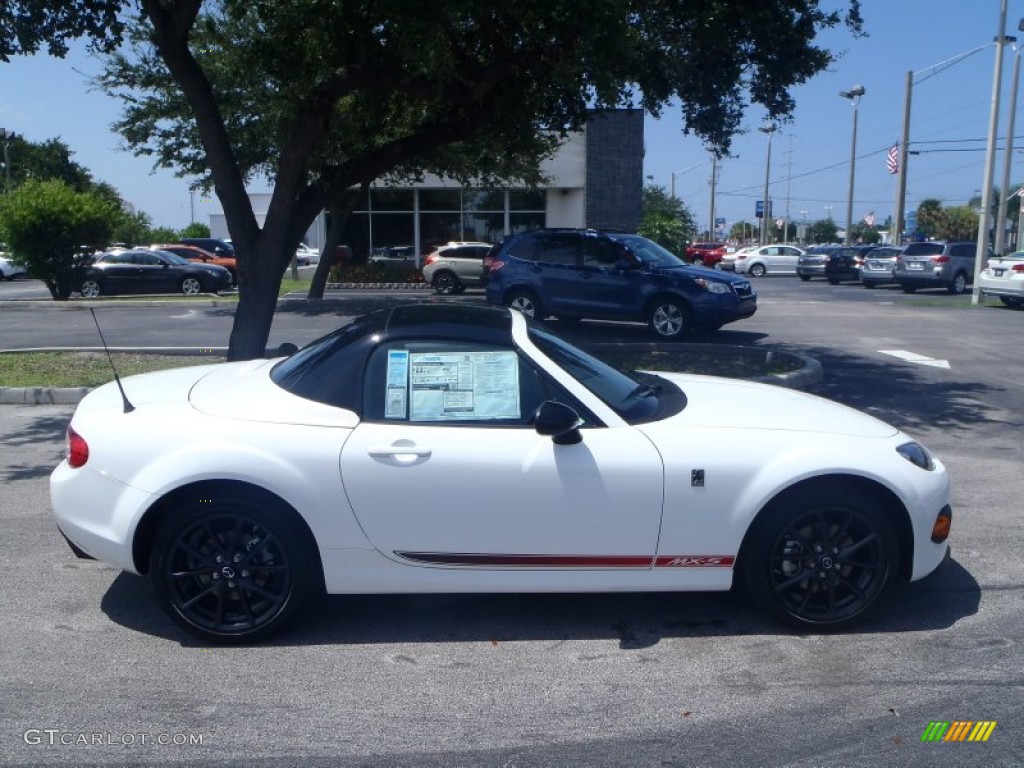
(712, 286)
(917, 455)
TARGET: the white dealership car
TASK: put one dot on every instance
(778, 259)
(457, 448)
(9, 270)
(1004, 277)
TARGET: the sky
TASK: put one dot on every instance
(43, 98)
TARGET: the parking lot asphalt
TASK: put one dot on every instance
(93, 674)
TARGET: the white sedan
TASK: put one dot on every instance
(1004, 277)
(9, 270)
(457, 448)
(768, 259)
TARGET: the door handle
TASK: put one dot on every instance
(382, 451)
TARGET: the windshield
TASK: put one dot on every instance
(637, 398)
(649, 253)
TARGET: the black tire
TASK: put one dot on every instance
(833, 281)
(758, 270)
(908, 288)
(231, 571)
(959, 285)
(526, 302)
(870, 284)
(1014, 302)
(90, 288)
(668, 318)
(191, 286)
(819, 558)
(698, 261)
(446, 283)
(805, 278)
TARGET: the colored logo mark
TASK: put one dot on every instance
(958, 730)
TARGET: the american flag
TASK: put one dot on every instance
(892, 160)
(870, 219)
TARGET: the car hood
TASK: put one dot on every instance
(744, 405)
(246, 392)
(706, 272)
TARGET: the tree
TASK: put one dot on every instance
(822, 231)
(52, 230)
(930, 217)
(346, 92)
(863, 234)
(959, 222)
(666, 220)
(195, 229)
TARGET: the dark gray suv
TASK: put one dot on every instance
(936, 265)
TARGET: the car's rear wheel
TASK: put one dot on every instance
(446, 283)
(1012, 301)
(908, 288)
(90, 289)
(525, 302)
(959, 284)
(668, 318)
(820, 558)
(231, 571)
(191, 286)
(698, 261)
(805, 278)
(757, 270)
(870, 284)
(833, 281)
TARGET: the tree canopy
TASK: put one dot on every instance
(340, 93)
(666, 220)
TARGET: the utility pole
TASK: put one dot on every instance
(714, 173)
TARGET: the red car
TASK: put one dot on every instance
(704, 254)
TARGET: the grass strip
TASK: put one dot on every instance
(84, 369)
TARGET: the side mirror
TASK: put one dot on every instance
(287, 349)
(558, 421)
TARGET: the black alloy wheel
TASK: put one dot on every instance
(230, 572)
(446, 283)
(821, 560)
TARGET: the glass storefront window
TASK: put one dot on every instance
(484, 227)
(483, 200)
(438, 228)
(391, 199)
(440, 199)
(527, 199)
(524, 222)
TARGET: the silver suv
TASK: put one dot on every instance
(454, 266)
(936, 265)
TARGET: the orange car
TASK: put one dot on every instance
(192, 253)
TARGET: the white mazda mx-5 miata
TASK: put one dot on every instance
(453, 448)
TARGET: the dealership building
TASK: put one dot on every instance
(594, 179)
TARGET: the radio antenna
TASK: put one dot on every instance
(128, 407)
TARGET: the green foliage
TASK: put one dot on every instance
(51, 228)
(164, 235)
(132, 228)
(375, 273)
(666, 220)
(959, 222)
(28, 25)
(822, 231)
(930, 217)
(864, 235)
(195, 229)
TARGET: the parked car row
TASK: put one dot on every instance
(149, 270)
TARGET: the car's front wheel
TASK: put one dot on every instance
(191, 286)
(231, 571)
(757, 270)
(446, 283)
(820, 558)
(90, 289)
(668, 318)
(525, 302)
(805, 278)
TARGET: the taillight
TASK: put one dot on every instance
(940, 259)
(1017, 268)
(493, 264)
(430, 259)
(77, 449)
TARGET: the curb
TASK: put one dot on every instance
(42, 395)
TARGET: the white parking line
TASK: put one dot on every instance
(913, 357)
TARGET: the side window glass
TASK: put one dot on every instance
(557, 248)
(524, 248)
(448, 383)
(598, 252)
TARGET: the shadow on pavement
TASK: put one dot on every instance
(636, 621)
(48, 430)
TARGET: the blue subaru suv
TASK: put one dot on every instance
(578, 273)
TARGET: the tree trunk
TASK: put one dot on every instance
(338, 215)
(261, 268)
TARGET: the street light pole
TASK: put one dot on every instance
(1004, 196)
(853, 95)
(769, 129)
(990, 159)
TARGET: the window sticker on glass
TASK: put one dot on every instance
(449, 386)
(396, 395)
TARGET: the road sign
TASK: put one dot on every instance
(759, 208)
